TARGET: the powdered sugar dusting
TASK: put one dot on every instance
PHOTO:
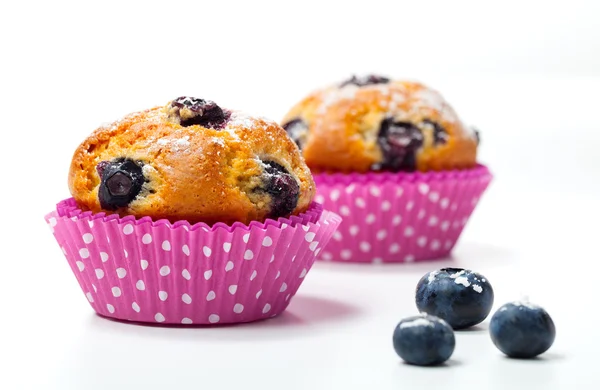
(175, 144)
(526, 304)
(417, 322)
(335, 95)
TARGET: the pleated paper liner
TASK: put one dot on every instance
(399, 217)
(154, 271)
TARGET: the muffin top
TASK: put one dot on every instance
(191, 160)
(372, 123)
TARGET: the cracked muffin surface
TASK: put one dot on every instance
(191, 160)
(373, 123)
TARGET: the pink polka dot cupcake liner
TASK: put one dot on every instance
(157, 272)
(399, 217)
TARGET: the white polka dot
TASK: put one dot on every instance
(444, 203)
(186, 274)
(409, 258)
(303, 273)
(278, 275)
(409, 231)
(313, 245)
(146, 238)
(433, 220)
(144, 264)
(158, 317)
(267, 241)
(386, 205)
(186, 250)
(128, 229)
(254, 273)
(305, 228)
(186, 321)
(283, 287)
(316, 252)
(310, 236)
(94, 287)
(246, 237)
(353, 230)
(421, 214)
(334, 195)
(206, 250)
(399, 192)
(377, 260)
(116, 291)
(238, 308)
(52, 221)
(84, 253)
(370, 219)
(360, 202)
(365, 246)
(272, 259)
(435, 245)
(226, 247)
(445, 225)
(99, 273)
(422, 241)
(350, 189)
(346, 254)
(207, 274)
(166, 245)
(91, 224)
(140, 285)
(287, 297)
(337, 236)
(110, 308)
(396, 220)
(434, 197)
(394, 248)
(266, 309)
(284, 226)
(232, 289)
(327, 256)
(125, 253)
(374, 191)
(381, 235)
(89, 297)
(121, 272)
(319, 199)
(258, 294)
(186, 299)
(163, 295)
(213, 318)
(87, 238)
(229, 266)
(80, 265)
(104, 257)
(410, 205)
(423, 188)
(165, 270)
(248, 255)
(211, 295)
(345, 210)
(135, 307)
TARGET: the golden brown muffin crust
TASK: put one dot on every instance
(342, 124)
(195, 173)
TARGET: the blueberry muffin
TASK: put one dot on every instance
(372, 123)
(191, 160)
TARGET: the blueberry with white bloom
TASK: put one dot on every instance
(424, 340)
(460, 297)
(522, 330)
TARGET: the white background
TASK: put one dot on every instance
(526, 73)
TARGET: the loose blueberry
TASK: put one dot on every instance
(399, 142)
(440, 136)
(283, 188)
(190, 111)
(365, 80)
(297, 130)
(461, 297)
(424, 340)
(522, 330)
(121, 181)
